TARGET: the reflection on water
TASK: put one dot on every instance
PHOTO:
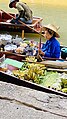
(50, 14)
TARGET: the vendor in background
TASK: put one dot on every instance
(51, 48)
(24, 12)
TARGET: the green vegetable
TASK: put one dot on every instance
(50, 78)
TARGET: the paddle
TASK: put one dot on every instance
(24, 23)
(38, 55)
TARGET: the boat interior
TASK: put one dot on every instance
(4, 17)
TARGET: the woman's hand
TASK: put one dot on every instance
(41, 52)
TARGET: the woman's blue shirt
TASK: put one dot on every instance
(51, 48)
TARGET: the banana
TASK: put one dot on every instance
(64, 90)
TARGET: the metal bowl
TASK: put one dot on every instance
(10, 47)
(4, 39)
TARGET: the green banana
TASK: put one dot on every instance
(64, 90)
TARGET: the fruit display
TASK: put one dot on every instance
(64, 90)
(19, 50)
(30, 71)
(37, 73)
(31, 59)
(64, 82)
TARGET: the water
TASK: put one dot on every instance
(55, 12)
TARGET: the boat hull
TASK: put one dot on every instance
(14, 80)
(7, 26)
(16, 28)
(10, 79)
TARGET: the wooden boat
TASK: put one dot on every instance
(4, 25)
(12, 79)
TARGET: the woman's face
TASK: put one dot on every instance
(14, 4)
(47, 35)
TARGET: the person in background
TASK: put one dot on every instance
(51, 48)
(24, 12)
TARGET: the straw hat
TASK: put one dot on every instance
(53, 28)
(11, 1)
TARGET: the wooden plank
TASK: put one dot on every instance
(55, 64)
(58, 70)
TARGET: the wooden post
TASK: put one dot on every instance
(22, 34)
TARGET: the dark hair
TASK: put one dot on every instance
(51, 32)
(10, 5)
(17, 0)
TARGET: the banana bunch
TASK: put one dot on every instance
(19, 73)
(29, 75)
(64, 90)
(34, 71)
(37, 68)
(31, 59)
(30, 72)
(64, 80)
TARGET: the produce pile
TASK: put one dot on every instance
(64, 82)
(37, 73)
(27, 48)
(18, 45)
(31, 59)
(30, 72)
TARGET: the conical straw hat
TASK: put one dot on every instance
(53, 28)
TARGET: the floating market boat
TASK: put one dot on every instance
(25, 46)
(16, 61)
(35, 27)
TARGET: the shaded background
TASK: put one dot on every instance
(52, 11)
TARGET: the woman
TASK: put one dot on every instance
(51, 48)
(24, 12)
